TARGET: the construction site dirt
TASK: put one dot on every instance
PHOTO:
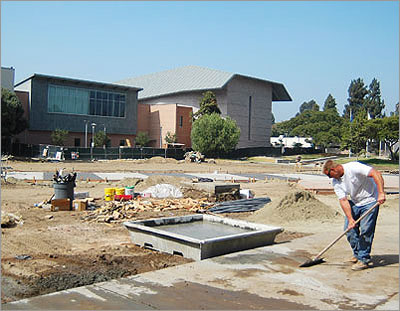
(47, 251)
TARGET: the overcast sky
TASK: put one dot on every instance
(314, 48)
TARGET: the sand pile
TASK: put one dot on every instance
(297, 205)
(161, 160)
(161, 179)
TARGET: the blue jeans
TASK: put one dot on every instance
(361, 236)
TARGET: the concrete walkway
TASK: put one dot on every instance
(266, 278)
(307, 181)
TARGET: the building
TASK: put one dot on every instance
(247, 100)
(291, 142)
(7, 78)
(81, 107)
(158, 120)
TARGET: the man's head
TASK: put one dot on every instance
(332, 169)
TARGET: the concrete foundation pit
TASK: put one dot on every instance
(200, 236)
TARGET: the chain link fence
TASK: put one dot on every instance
(60, 153)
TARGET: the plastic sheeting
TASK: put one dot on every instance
(240, 206)
(164, 191)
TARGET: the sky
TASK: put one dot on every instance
(314, 48)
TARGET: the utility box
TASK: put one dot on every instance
(79, 205)
(60, 205)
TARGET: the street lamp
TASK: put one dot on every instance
(86, 123)
(92, 144)
(93, 126)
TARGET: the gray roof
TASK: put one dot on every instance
(80, 81)
(192, 78)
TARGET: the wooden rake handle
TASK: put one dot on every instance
(347, 230)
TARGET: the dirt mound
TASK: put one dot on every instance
(297, 205)
(161, 160)
(160, 179)
(128, 182)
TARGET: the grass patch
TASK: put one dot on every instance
(311, 156)
(380, 164)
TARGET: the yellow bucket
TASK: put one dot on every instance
(109, 194)
(120, 191)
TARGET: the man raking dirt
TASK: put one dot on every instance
(364, 186)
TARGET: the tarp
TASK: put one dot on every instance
(240, 206)
(164, 191)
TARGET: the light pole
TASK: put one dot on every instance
(86, 123)
(105, 135)
(92, 144)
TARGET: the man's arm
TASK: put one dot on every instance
(345, 205)
(377, 176)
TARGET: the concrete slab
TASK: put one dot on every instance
(120, 175)
(26, 175)
(314, 181)
(200, 236)
(219, 176)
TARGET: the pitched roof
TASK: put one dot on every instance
(192, 78)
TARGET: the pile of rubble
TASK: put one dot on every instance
(9, 220)
(120, 211)
(194, 156)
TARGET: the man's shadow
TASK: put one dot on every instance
(384, 260)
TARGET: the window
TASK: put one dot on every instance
(77, 142)
(122, 142)
(249, 132)
(82, 101)
(181, 121)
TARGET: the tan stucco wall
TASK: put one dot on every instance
(183, 132)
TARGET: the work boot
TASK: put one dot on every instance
(359, 266)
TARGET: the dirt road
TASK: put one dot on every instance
(51, 251)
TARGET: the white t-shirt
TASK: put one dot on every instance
(356, 183)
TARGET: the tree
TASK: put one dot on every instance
(330, 103)
(355, 133)
(385, 129)
(170, 138)
(310, 105)
(58, 137)
(142, 139)
(12, 120)
(373, 102)
(213, 135)
(101, 139)
(357, 92)
(323, 126)
(208, 105)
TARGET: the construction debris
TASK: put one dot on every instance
(60, 178)
(194, 156)
(121, 211)
(9, 220)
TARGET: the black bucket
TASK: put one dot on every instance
(64, 191)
